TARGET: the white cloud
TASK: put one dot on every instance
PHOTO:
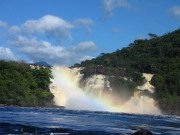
(53, 26)
(115, 30)
(86, 58)
(123, 3)
(86, 47)
(3, 24)
(42, 50)
(25, 40)
(14, 29)
(37, 49)
(110, 5)
(141, 37)
(175, 11)
(6, 54)
(84, 23)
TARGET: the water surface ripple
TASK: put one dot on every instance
(22, 120)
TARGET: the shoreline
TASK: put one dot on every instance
(169, 112)
(51, 106)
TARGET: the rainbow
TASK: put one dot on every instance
(68, 94)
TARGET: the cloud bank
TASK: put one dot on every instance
(32, 39)
(85, 47)
(6, 54)
(53, 26)
(84, 23)
(3, 24)
(110, 5)
(175, 11)
(43, 50)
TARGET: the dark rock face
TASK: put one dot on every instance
(121, 71)
(87, 71)
(101, 70)
(142, 132)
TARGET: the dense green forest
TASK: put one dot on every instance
(20, 85)
(159, 55)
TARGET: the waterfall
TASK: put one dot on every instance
(95, 85)
(66, 91)
(62, 83)
(70, 90)
(141, 104)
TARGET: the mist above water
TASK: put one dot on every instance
(66, 91)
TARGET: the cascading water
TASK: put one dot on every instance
(95, 85)
(66, 91)
(140, 104)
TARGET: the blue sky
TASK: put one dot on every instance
(64, 32)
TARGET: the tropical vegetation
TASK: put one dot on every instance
(158, 55)
(23, 86)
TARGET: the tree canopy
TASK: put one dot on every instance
(159, 55)
(23, 86)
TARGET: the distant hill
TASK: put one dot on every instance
(43, 63)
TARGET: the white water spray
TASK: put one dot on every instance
(95, 84)
(140, 103)
(67, 93)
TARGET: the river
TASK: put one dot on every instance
(23, 120)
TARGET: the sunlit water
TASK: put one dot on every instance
(15, 120)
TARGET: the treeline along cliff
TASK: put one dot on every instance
(159, 55)
(23, 86)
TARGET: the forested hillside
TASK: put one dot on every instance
(23, 86)
(159, 55)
